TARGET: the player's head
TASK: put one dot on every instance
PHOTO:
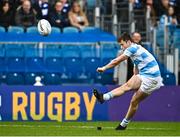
(136, 37)
(125, 40)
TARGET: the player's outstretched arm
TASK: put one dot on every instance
(113, 63)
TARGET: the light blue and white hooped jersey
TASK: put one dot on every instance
(145, 62)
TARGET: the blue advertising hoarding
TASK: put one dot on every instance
(77, 103)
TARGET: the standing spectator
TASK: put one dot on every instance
(58, 17)
(77, 17)
(43, 9)
(25, 15)
(6, 15)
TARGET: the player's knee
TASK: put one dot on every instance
(128, 86)
(134, 103)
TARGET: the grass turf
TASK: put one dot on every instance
(88, 129)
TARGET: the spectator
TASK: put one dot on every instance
(172, 20)
(43, 9)
(77, 17)
(58, 17)
(136, 37)
(25, 15)
(6, 15)
(161, 7)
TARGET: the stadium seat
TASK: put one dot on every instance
(35, 64)
(73, 67)
(2, 29)
(2, 78)
(52, 79)
(2, 50)
(55, 30)
(107, 76)
(52, 51)
(91, 64)
(169, 78)
(16, 30)
(90, 30)
(14, 50)
(70, 30)
(3, 66)
(30, 78)
(15, 64)
(15, 79)
(32, 30)
(31, 50)
(54, 65)
(70, 51)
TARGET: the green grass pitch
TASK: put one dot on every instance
(88, 129)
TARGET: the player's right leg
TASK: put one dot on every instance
(133, 84)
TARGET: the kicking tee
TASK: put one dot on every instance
(145, 62)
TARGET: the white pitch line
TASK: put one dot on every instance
(83, 127)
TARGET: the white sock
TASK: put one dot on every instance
(124, 122)
(108, 96)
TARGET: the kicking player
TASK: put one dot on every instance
(146, 78)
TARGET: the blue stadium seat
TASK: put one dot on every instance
(169, 78)
(70, 30)
(35, 64)
(91, 64)
(2, 78)
(106, 53)
(2, 29)
(32, 30)
(15, 64)
(52, 51)
(55, 30)
(31, 50)
(30, 78)
(91, 30)
(14, 50)
(54, 65)
(73, 67)
(107, 76)
(52, 79)
(70, 51)
(15, 79)
(2, 50)
(88, 51)
(16, 30)
(3, 66)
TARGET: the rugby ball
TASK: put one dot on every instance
(44, 27)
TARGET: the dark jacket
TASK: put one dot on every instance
(24, 19)
(63, 17)
(6, 19)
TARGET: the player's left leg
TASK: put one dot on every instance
(136, 99)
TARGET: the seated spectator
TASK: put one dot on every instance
(25, 15)
(6, 15)
(58, 17)
(43, 9)
(77, 17)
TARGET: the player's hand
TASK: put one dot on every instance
(101, 69)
